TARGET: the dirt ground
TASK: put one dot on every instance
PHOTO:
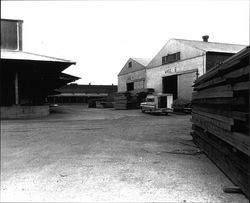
(107, 155)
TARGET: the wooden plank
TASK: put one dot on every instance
(239, 158)
(224, 100)
(239, 141)
(201, 95)
(242, 116)
(221, 88)
(217, 109)
(225, 163)
(213, 92)
(207, 84)
(237, 73)
(218, 123)
(220, 81)
(228, 65)
(212, 73)
(223, 110)
(224, 119)
(241, 86)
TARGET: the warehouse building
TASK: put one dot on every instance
(180, 62)
(74, 93)
(133, 75)
(175, 66)
(27, 78)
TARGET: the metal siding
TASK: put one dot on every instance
(154, 75)
(185, 82)
(137, 77)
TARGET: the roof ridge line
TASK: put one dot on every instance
(210, 42)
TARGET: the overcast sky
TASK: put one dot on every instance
(100, 36)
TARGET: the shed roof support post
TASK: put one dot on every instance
(16, 89)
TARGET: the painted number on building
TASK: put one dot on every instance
(170, 70)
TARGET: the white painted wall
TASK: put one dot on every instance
(138, 77)
(174, 46)
(154, 75)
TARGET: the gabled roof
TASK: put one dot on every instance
(142, 61)
(141, 65)
(213, 46)
(21, 55)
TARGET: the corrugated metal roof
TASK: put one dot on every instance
(20, 55)
(213, 46)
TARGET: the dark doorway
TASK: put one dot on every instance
(170, 85)
(130, 86)
(162, 102)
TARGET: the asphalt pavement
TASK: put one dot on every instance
(106, 155)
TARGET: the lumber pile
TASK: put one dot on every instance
(131, 99)
(220, 117)
(123, 101)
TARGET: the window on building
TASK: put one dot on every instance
(170, 58)
(130, 86)
(130, 64)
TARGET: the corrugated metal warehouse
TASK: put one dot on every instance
(178, 64)
(133, 75)
(74, 93)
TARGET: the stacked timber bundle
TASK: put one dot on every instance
(139, 96)
(220, 116)
(122, 101)
(131, 99)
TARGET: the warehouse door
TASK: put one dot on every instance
(170, 85)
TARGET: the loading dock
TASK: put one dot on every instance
(170, 85)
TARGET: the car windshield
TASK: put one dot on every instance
(150, 99)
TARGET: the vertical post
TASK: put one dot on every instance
(16, 89)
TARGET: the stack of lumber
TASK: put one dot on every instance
(220, 117)
(122, 101)
(131, 99)
(104, 104)
(139, 96)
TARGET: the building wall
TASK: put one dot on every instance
(215, 58)
(185, 82)
(88, 89)
(154, 75)
(138, 77)
(24, 112)
(173, 46)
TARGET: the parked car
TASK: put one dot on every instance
(157, 103)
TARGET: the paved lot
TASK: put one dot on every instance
(81, 154)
